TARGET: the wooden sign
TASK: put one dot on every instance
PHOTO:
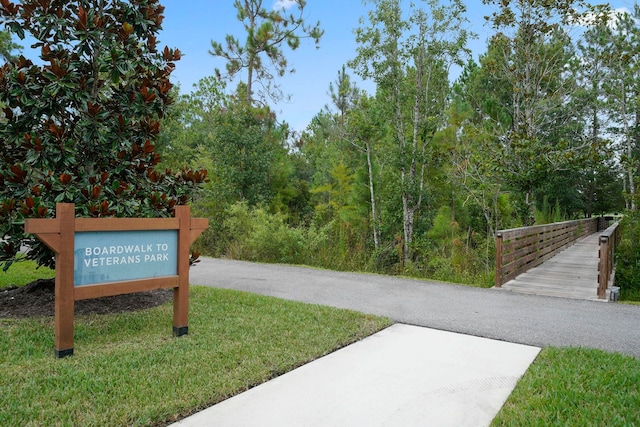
(99, 257)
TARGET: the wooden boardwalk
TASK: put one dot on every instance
(572, 273)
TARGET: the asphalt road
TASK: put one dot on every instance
(525, 319)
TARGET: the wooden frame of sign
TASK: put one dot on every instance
(59, 235)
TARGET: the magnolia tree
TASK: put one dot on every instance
(79, 125)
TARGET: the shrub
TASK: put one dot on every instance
(256, 235)
(628, 257)
(80, 124)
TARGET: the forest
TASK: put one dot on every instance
(413, 179)
(416, 178)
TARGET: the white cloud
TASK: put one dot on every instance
(614, 16)
(283, 4)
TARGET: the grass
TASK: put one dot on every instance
(575, 387)
(129, 370)
(22, 272)
(630, 296)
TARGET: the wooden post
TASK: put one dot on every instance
(603, 267)
(181, 293)
(58, 234)
(498, 260)
(64, 296)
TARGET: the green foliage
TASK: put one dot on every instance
(628, 257)
(254, 234)
(344, 94)
(241, 143)
(8, 46)
(333, 198)
(452, 252)
(187, 122)
(444, 226)
(245, 152)
(243, 148)
(261, 236)
(527, 110)
(548, 214)
(81, 126)
(417, 177)
(409, 59)
(623, 93)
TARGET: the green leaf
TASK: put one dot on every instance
(16, 29)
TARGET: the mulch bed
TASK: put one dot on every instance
(37, 299)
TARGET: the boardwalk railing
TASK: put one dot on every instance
(609, 239)
(520, 249)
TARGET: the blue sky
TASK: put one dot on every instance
(190, 25)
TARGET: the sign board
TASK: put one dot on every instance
(116, 256)
(99, 257)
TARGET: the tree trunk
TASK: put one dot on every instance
(408, 220)
(374, 215)
(251, 65)
(531, 207)
(628, 148)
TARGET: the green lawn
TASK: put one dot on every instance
(575, 387)
(129, 370)
(23, 272)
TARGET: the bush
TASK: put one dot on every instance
(628, 257)
(444, 253)
(254, 234)
(273, 241)
(450, 254)
(257, 235)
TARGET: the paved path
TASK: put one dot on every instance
(525, 319)
(404, 376)
(572, 273)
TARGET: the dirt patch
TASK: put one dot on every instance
(37, 298)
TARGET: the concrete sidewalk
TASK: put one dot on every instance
(402, 376)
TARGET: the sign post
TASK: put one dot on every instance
(98, 257)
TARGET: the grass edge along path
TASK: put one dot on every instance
(129, 370)
(575, 387)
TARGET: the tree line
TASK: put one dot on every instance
(413, 179)
(417, 177)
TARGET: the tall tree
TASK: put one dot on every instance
(364, 129)
(8, 47)
(409, 60)
(188, 122)
(357, 129)
(81, 126)
(592, 73)
(267, 31)
(623, 94)
(536, 48)
(473, 161)
(343, 94)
